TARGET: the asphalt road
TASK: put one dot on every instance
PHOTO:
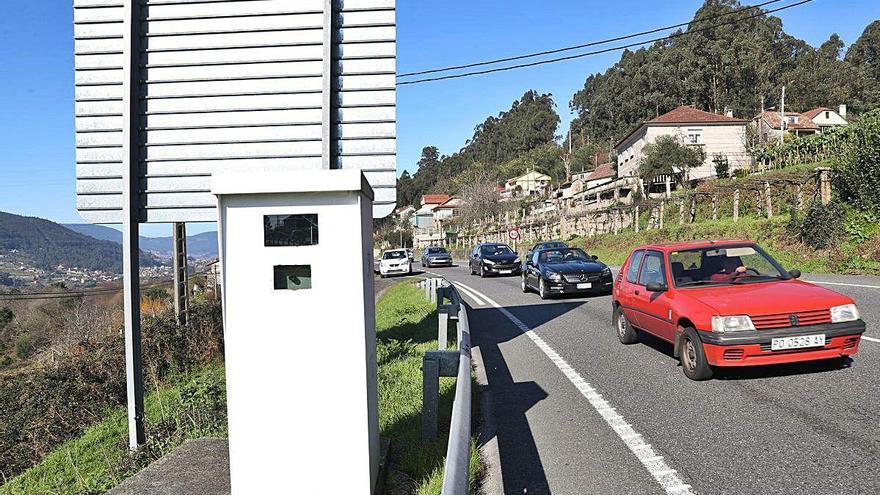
(574, 411)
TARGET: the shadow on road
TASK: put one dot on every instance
(509, 401)
(750, 372)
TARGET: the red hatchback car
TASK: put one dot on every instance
(728, 303)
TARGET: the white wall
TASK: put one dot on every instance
(833, 119)
(301, 364)
(728, 140)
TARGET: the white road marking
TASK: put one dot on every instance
(666, 477)
(470, 294)
(843, 284)
(871, 339)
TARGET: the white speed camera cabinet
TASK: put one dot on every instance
(296, 252)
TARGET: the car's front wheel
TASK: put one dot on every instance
(625, 332)
(542, 289)
(693, 358)
(523, 284)
(482, 272)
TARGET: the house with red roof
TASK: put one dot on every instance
(720, 136)
(771, 124)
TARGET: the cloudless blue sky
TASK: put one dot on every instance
(36, 75)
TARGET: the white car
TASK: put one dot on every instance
(395, 261)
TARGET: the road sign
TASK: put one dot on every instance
(228, 86)
(513, 234)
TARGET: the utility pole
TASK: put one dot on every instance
(181, 274)
(782, 125)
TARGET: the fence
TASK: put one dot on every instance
(760, 197)
(456, 363)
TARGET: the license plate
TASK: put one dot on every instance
(587, 285)
(785, 343)
(505, 272)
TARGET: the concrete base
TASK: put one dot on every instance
(198, 467)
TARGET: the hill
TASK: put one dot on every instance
(45, 245)
(200, 246)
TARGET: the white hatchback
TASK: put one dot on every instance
(395, 261)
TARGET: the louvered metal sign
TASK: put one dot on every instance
(170, 91)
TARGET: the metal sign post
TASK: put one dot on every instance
(131, 217)
(181, 274)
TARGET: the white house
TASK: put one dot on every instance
(718, 135)
(825, 118)
(769, 124)
(532, 182)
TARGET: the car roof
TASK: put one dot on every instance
(392, 250)
(685, 245)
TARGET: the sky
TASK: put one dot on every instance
(37, 171)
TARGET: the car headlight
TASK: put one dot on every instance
(517, 260)
(554, 277)
(723, 324)
(489, 262)
(606, 272)
(846, 312)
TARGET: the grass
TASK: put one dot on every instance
(191, 406)
(852, 255)
(406, 327)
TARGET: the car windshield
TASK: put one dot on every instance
(437, 250)
(394, 255)
(554, 245)
(723, 266)
(495, 250)
(563, 255)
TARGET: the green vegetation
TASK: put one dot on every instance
(736, 65)
(851, 254)
(665, 155)
(507, 145)
(406, 327)
(67, 388)
(193, 405)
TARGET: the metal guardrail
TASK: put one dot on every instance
(443, 362)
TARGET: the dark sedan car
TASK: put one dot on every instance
(543, 245)
(565, 271)
(436, 256)
(494, 259)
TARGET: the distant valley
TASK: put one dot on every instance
(199, 246)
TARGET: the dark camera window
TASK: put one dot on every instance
(290, 230)
(293, 277)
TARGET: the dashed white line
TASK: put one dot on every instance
(871, 339)
(470, 294)
(665, 476)
(843, 284)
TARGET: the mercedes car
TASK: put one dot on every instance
(552, 272)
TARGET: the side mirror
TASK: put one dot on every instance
(656, 287)
(595, 257)
(794, 273)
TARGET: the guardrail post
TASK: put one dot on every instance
(442, 330)
(430, 395)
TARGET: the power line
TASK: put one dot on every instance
(597, 52)
(584, 45)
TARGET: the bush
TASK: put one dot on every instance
(5, 361)
(6, 317)
(25, 346)
(822, 224)
(857, 177)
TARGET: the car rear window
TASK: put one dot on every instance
(632, 274)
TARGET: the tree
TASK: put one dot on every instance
(481, 199)
(668, 156)
(6, 317)
(736, 65)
